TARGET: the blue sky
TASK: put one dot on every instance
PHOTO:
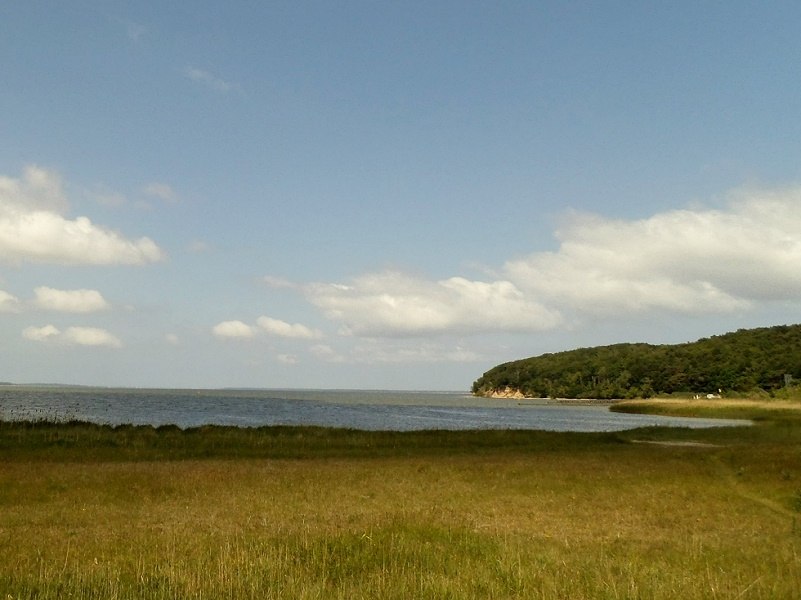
(386, 194)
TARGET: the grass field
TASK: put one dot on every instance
(136, 512)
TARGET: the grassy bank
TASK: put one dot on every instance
(136, 512)
(734, 408)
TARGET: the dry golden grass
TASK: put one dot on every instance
(598, 517)
(717, 407)
(743, 403)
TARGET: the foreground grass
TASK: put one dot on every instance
(136, 512)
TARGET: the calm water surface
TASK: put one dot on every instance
(367, 410)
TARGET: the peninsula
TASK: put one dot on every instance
(763, 362)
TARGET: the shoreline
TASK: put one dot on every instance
(529, 401)
(523, 400)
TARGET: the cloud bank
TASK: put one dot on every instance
(394, 304)
(682, 261)
(690, 261)
(33, 228)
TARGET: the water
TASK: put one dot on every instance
(366, 410)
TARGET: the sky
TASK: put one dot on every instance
(388, 195)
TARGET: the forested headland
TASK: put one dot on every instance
(761, 361)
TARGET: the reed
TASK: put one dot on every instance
(99, 512)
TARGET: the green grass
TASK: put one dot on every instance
(135, 512)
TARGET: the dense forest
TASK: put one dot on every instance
(764, 359)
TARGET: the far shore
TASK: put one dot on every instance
(532, 401)
(523, 400)
(680, 407)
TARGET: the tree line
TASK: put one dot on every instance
(763, 359)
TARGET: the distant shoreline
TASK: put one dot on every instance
(565, 402)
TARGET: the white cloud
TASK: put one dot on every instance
(280, 328)
(684, 261)
(40, 334)
(689, 262)
(33, 228)
(204, 77)
(172, 339)
(72, 336)
(37, 190)
(268, 326)
(233, 329)
(395, 304)
(8, 303)
(74, 301)
(162, 191)
(90, 336)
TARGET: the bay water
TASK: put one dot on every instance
(374, 410)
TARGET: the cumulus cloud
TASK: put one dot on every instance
(280, 328)
(37, 190)
(233, 329)
(90, 336)
(40, 334)
(33, 228)
(73, 301)
(684, 261)
(8, 303)
(690, 261)
(395, 304)
(72, 336)
(266, 326)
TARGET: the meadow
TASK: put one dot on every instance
(88, 511)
